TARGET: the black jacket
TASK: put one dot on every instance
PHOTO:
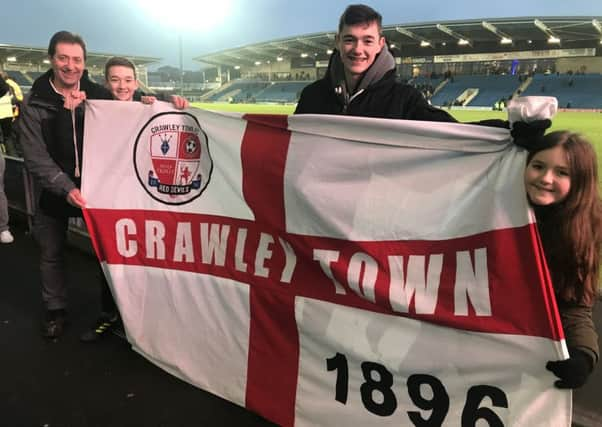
(45, 130)
(378, 94)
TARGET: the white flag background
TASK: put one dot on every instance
(327, 270)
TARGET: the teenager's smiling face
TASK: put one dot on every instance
(122, 83)
(358, 46)
(547, 177)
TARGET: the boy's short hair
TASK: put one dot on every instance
(360, 14)
(118, 61)
(66, 37)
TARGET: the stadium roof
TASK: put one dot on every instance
(433, 38)
(35, 56)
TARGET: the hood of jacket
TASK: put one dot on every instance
(383, 64)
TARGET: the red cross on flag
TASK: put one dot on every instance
(325, 270)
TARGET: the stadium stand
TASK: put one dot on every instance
(449, 91)
(238, 91)
(492, 88)
(427, 85)
(34, 75)
(571, 90)
(489, 89)
(20, 78)
(281, 92)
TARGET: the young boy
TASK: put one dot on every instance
(120, 79)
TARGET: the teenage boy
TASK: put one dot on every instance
(360, 80)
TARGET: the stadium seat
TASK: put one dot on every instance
(571, 90)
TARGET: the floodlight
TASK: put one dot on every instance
(552, 38)
(11, 58)
(392, 46)
(461, 39)
(413, 35)
(543, 27)
(304, 55)
(279, 58)
(237, 67)
(46, 61)
(489, 27)
(504, 38)
(257, 62)
(329, 51)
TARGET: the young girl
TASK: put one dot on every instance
(561, 180)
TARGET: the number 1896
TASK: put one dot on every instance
(379, 381)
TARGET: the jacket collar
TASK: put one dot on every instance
(43, 89)
(383, 64)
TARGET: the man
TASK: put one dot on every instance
(121, 81)
(51, 135)
(360, 80)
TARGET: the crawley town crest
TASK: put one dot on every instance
(171, 158)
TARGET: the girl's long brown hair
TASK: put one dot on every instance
(571, 231)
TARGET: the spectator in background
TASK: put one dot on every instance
(121, 80)
(5, 234)
(6, 124)
(6, 110)
(51, 135)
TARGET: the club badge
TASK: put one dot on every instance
(171, 158)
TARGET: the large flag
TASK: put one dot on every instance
(325, 270)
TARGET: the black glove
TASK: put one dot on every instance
(528, 134)
(573, 372)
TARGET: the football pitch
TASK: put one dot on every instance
(586, 123)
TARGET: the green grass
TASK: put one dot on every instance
(247, 108)
(588, 124)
